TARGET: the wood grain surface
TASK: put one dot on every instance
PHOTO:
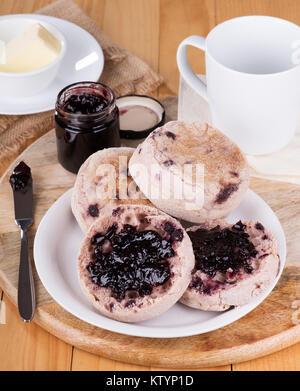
(269, 327)
(153, 29)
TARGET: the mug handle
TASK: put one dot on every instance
(184, 66)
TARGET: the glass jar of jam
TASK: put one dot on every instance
(86, 120)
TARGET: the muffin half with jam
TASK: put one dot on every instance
(135, 263)
(233, 264)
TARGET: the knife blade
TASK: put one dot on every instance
(21, 183)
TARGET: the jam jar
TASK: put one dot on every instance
(86, 120)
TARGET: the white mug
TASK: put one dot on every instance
(253, 80)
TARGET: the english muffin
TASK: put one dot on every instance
(190, 171)
(103, 181)
(233, 264)
(135, 263)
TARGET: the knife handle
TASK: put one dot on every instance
(26, 293)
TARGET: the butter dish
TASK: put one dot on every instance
(28, 65)
(83, 60)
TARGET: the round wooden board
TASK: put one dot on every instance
(273, 325)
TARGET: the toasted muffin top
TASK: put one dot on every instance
(178, 143)
(103, 180)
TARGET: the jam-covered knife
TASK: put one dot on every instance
(21, 183)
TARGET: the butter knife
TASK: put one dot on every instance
(21, 183)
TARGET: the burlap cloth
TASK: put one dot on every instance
(124, 72)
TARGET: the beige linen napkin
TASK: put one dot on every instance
(124, 72)
(283, 165)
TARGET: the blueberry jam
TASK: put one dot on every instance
(85, 104)
(86, 121)
(132, 260)
(223, 249)
(20, 177)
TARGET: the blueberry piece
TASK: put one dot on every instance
(93, 210)
(97, 239)
(171, 135)
(226, 192)
(168, 163)
(259, 226)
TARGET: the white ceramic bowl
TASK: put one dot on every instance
(22, 84)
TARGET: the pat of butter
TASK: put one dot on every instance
(35, 48)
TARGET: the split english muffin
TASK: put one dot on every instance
(233, 264)
(135, 263)
(190, 171)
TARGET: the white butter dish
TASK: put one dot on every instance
(24, 84)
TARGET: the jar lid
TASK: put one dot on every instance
(139, 115)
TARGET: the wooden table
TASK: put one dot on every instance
(151, 29)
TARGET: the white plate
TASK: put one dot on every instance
(83, 61)
(56, 246)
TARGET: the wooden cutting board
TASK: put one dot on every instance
(273, 325)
